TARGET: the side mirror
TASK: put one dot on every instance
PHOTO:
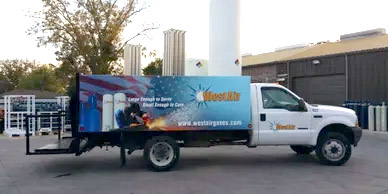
(302, 105)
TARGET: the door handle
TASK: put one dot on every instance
(262, 117)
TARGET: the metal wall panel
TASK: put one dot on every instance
(320, 80)
(368, 78)
(261, 74)
(281, 68)
(327, 89)
(326, 66)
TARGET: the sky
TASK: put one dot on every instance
(265, 25)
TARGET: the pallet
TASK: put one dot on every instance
(13, 132)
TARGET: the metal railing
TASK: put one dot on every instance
(59, 117)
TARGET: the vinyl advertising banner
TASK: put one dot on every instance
(169, 103)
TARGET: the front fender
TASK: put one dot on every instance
(326, 121)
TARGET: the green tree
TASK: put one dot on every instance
(86, 32)
(14, 70)
(154, 68)
(42, 77)
(67, 70)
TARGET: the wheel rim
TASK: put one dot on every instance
(334, 150)
(161, 154)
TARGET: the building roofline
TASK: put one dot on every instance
(348, 46)
(321, 56)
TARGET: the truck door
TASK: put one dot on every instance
(280, 120)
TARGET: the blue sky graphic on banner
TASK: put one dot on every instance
(163, 103)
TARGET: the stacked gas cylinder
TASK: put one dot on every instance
(371, 116)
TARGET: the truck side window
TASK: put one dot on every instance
(277, 98)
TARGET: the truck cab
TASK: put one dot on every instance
(280, 117)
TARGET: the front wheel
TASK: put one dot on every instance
(333, 149)
(161, 153)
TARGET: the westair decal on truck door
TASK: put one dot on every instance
(167, 103)
(276, 126)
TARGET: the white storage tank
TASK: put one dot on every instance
(224, 38)
(132, 60)
(196, 67)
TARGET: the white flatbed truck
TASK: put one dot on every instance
(277, 116)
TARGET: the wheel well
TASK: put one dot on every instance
(338, 128)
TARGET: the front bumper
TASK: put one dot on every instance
(357, 133)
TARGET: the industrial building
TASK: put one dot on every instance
(353, 68)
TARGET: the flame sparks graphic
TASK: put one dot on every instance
(158, 123)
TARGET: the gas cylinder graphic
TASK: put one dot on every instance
(107, 112)
(371, 118)
(119, 104)
(383, 117)
(82, 120)
(378, 118)
(94, 115)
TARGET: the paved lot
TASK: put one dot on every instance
(229, 169)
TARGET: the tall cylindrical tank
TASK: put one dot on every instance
(358, 108)
(371, 118)
(119, 104)
(132, 60)
(378, 118)
(107, 112)
(346, 104)
(383, 117)
(224, 38)
(83, 118)
(364, 115)
(350, 103)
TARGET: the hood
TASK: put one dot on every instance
(332, 109)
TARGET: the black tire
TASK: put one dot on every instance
(302, 149)
(329, 144)
(158, 149)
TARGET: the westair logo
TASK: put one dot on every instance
(276, 126)
(202, 95)
(223, 96)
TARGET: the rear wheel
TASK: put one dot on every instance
(161, 153)
(333, 149)
(302, 149)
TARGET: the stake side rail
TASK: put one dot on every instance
(28, 133)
